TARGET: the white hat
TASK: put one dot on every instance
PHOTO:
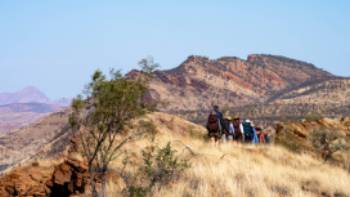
(247, 121)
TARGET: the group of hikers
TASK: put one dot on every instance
(230, 128)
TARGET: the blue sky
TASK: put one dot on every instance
(56, 45)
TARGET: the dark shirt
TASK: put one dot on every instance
(220, 117)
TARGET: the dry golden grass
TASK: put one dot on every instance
(240, 170)
(229, 169)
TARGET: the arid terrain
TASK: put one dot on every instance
(228, 170)
(199, 82)
(291, 99)
(265, 88)
(26, 106)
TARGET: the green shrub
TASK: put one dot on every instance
(313, 117)
(160, 167)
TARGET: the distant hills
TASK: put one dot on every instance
(21, 108)
(26, 95)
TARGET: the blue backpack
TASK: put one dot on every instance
(248, 131)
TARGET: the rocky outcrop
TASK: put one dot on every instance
(26, 181)
(70, 177)
(65, 179)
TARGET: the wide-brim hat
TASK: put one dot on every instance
(236, 118)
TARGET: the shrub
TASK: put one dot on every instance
(148, 128)
(160, 167)
(313, 117)
(326, 142)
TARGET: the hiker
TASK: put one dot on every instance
(249, 132)
(260, 135)
(213, 127)
(238, 134)
(219, 116)
(263, 136)
(267, 137)
(228, 128)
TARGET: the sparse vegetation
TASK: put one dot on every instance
(160, 167)
(313, 117)
(107, 110)
(327, 142)
(148, 65)
(239, 170)
(286, 139)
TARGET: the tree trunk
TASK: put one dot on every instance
(92, 182)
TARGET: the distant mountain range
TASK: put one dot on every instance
(30, 94)
(267, 86)
(21, 108)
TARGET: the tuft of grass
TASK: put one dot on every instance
(196, 134)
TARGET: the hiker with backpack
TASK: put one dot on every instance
(260, 135)
(267, 137)
(238, 133)
(249, 132)
(213, 127)
(263, 136)
(228, 128)
(219, 116)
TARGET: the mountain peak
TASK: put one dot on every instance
(28, 94)
(30, 89)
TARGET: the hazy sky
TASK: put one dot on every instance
(56, 45)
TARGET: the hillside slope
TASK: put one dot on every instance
(229, 81)
(228, 170)
(332, 92)
(47, 137)
(329, 98)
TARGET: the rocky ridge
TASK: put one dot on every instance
(199, 82)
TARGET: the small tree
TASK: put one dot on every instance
(107, 110)
(148, 65)
(326, 142)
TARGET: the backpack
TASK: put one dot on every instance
(248, 131)
(267, 139)
(212, 122)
